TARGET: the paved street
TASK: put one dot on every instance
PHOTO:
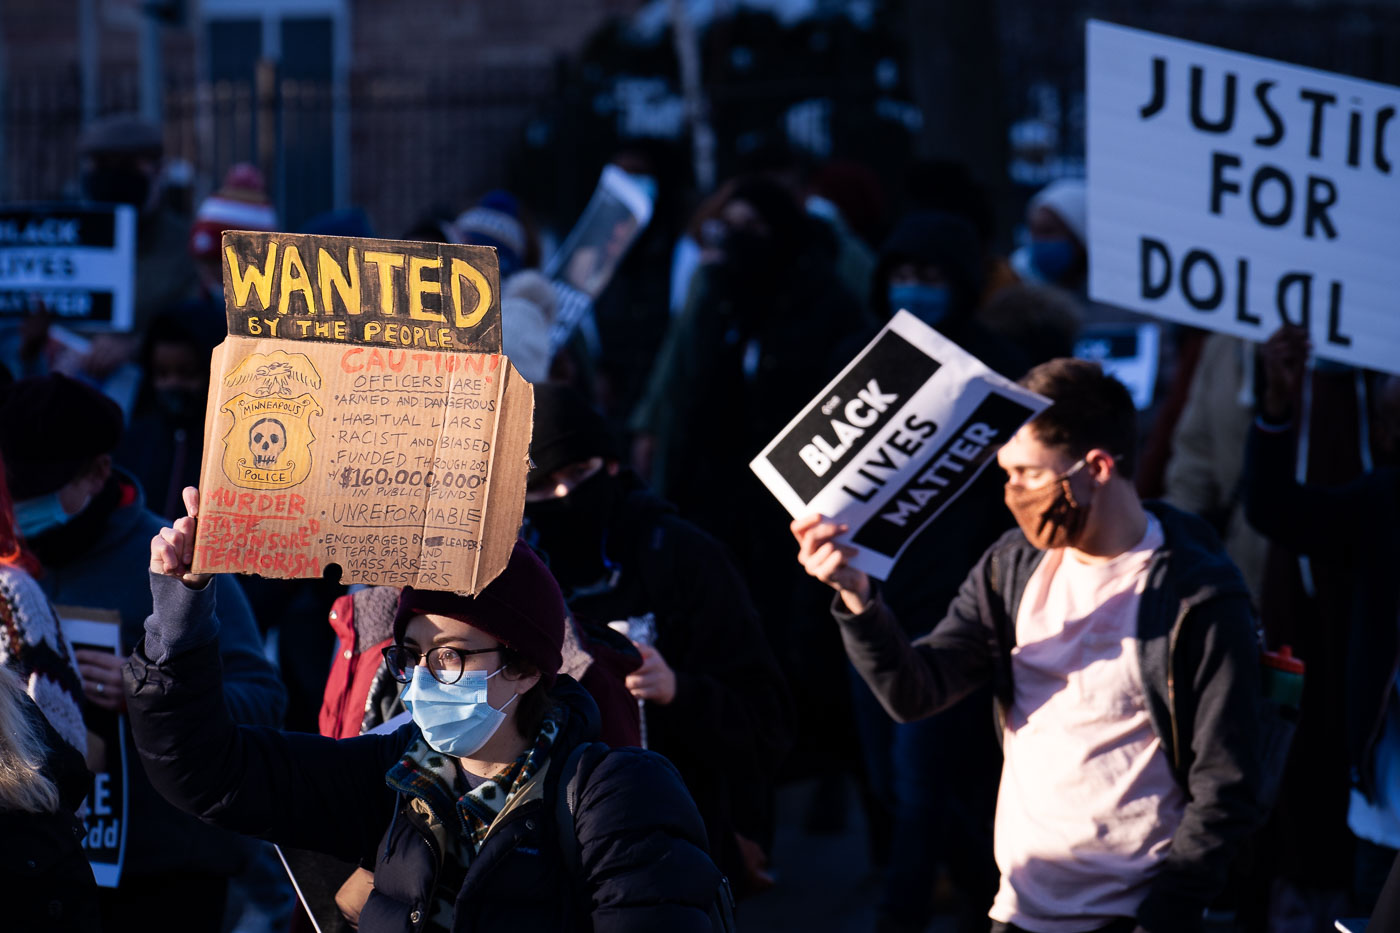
(825, 882)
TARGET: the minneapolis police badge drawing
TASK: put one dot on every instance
(268, 444)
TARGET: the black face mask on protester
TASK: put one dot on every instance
(117, 185)
(572, 530)
(180, 406)
(749, 258)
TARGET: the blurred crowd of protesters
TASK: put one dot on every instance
(1109, 593)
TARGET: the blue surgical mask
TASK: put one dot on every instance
(38, 515)
(1051, 259)
(929, 303)
(455, 719)
(646, 183)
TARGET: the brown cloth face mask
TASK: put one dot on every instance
(1049, 516)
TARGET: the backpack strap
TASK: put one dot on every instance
(573, 775)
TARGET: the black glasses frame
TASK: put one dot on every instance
(402, 659)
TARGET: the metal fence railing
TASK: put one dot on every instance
(393, 145)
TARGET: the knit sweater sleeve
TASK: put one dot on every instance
(32, 644)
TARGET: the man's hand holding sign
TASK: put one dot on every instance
(823, 557)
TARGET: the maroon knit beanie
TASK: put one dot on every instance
(523, 608)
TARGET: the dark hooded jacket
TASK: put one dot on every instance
(96, 561)
(731, 720)
(1199, 655)
(760, 335)
(1355, 527)
(642, 845)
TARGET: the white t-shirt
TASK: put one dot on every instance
(1088, 803)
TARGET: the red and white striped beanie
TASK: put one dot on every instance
(240, 204)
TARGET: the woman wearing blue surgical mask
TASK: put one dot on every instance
(492, 808)
(922, 290)
(1056, 256)
(933, 266)
(1057, 221)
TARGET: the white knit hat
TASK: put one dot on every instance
(1066, 199)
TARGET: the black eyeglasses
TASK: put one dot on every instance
(444, 663)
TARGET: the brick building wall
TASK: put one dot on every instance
(436, 96)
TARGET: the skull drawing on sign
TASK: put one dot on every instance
(266, 440)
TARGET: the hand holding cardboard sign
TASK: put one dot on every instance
(173, 549)
(828, 561)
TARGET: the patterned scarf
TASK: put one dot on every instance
(459, 816)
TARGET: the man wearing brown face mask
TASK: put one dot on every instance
(1121, 647)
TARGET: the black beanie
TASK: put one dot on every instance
(567, 430)
(51, 427)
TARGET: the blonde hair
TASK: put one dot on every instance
(23, 784)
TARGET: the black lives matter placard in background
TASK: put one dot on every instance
(105, 815)
(894, 439)
(1238, 194)
(76, 262)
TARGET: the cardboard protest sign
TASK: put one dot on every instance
(75, 261)
(893, 439)
(1237, 194)
(1128, 353)
(361, 415)
(106, 811)
(615, 216)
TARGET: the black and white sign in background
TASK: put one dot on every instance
(1237, 194)
(106, 812)
(75, 261)
(899, 434)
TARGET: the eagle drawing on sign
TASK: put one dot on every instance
(273, 374)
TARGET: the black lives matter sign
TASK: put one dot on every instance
(75, 262)
(949, 469)
(900, 433)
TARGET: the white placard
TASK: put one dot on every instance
(894, 439)
(75, 261)
(107, 807)
(1128, 353)
(583, 266)
(1236, 193)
